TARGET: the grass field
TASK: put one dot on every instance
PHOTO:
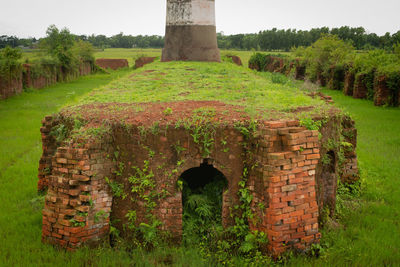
(369, 235)
(132, 53)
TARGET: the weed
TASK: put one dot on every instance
(310, 124)
(167, 111)
(60, 132)
(117, 189)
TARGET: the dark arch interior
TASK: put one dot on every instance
(332, 161)
(197, 178)
(201, 200)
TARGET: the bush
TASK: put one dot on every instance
(324, 53)
(84, 51)
(10, 64)
(258, 61)
(396, 49)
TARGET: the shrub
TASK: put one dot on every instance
(396, 49)
(326, 52)
(259, 61)
(10, 64)
(84, 51)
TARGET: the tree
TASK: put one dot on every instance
(58, 44)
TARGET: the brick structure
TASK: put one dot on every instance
(48, 77)
(112, 63)
(349, 83)
(140, 62)
(289, 183)
(49, 74)
(360, 89)
(10, 85)
(383, 95)
(236, 60)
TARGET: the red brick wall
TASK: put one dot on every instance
(112, 63)
(143, 61)
(349, 83)
(78, 202)
(10, 86)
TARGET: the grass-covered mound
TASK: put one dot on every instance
(261, 95)
(201, 100)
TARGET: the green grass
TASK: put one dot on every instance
(20, 143)
(131, 53)
(370, 236)
(225, 82)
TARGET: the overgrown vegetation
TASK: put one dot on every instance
(64, 50)
(10, 65)
(330, 59)
(223, 82)
(366, 234)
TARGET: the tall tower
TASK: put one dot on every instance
(190, 31)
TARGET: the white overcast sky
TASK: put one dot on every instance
(30, 18)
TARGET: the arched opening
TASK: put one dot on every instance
(202, 200)
(329, 180)
(331, 162)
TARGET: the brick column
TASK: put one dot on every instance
(289, 174)
(49, 147)
(78, 203)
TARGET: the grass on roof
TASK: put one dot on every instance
(262, 94)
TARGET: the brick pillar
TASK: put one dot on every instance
(78, 204)
(350, 172)
(289, 174)
(49, 147)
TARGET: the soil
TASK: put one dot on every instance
(146, 114)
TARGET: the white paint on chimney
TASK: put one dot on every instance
(195, 12)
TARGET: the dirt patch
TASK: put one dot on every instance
(111, 63)
(147, 114)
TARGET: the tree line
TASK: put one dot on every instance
(268, 40)
(285, 40)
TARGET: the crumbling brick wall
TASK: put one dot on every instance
(285, 175)
(10, 85)
(140, 62)
(112, 63)
(78, 202)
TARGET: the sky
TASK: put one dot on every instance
(30, 18)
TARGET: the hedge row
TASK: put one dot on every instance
(373, 75)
